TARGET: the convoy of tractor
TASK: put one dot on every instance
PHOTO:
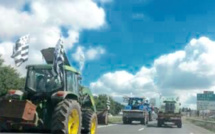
(63, 106)
(139, 109)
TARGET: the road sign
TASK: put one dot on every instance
(205, 105)
(206, 97)
(206, 101)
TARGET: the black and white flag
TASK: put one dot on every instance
(20, 50)
(81, 60)
(58, 61)
(108, 102)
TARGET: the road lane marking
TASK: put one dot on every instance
(107, 126)
(191, 133)
(141, 129)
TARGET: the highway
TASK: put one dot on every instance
(151, 128)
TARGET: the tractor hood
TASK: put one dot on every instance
(48, 55)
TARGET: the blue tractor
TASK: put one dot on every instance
(137, 109)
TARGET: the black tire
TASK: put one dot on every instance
(179, 124)
(106, 119)
(87, 122)
(4, 127)
(129, 121)
(143, 121)
(103, 119)
(124, 121)
(61, 114)
(159, 123)
(147, 121)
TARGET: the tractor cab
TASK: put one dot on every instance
(135, 103)
(41, 80)
(169, 106)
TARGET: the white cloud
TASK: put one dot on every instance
(44, 22)
(182, 73)
(94, 53)
(191, 68)
(104, 1)
(123, 83)
(90, 54)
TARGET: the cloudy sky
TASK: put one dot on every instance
(139, 47)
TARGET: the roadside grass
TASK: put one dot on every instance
(209, 125)
(115, 119)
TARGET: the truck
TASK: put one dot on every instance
(135, 111)
(48, 103)
(169, 111)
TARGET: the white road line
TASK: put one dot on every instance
(141, 129)
(191, 133)
(107, 125)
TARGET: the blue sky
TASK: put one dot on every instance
(139, 47)
(138, 31)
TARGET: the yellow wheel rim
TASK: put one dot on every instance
(73, 123)
(93, 126)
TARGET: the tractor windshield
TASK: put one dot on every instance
(169, 107)
(135, 102)
(42, 80)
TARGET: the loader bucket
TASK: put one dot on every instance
(48, 55)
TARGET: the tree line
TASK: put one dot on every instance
(101, 104)
(9, 78)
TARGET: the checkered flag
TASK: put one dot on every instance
(108, 103)
(20, 50)
(58, 61)
(81, 61)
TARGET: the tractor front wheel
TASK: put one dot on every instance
(89, 122)
(66, 118)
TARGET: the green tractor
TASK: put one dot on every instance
(49, 104)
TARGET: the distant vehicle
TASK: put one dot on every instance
(135, 111)
(102, 113)
(169, 112)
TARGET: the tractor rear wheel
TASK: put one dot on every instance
(129, 121)
(159, 123)
(143, 121)
(89, 122)
(66, 118)
(106, 119)
(179, 124)
(124, 120)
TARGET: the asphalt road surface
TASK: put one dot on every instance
(151, 128)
